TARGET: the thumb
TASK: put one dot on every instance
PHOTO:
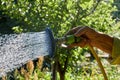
(81, 44)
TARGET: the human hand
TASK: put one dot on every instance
(91, 37)
(88, 36)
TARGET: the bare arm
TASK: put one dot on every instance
(103, 42)
(90, 36)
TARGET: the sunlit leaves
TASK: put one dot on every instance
(60, 15)
(101, 19)
(17, 29)
(87, 4)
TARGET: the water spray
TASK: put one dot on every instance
(17, 49)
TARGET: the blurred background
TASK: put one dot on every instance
(18, 16)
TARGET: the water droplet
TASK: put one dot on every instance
(17, 49)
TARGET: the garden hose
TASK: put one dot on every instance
(69, 39)
(98, 61)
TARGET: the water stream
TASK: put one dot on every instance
(17, 49)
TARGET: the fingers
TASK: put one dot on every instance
(81, 44)
(72, 31)
(82, 31)
(72, 45)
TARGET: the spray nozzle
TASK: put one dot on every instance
(69, 39)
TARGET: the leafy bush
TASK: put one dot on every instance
(62, 15)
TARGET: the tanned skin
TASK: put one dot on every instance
(92, 37)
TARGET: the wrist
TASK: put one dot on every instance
(103, 42)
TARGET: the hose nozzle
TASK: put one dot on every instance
(69, 39)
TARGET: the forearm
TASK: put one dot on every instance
(104, 42)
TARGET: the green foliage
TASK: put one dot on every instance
(101, 19)
(60, 15)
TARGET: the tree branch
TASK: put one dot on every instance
(66, 62)
(92, 10)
